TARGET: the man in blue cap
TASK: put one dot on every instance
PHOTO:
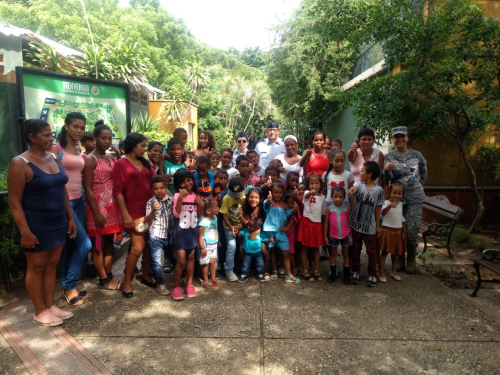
(270, 147)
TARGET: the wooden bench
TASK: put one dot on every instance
(439, 219)
(487, 261)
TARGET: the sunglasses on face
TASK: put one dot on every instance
(242, 141)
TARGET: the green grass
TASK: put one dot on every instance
(462, 238)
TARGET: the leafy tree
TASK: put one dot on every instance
(450, 82)
(315, 57)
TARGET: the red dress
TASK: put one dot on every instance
(102, 187)
(133, 185)
(319, 164)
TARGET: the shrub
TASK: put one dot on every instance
(16, 262)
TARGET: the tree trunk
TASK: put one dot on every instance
(473, 183)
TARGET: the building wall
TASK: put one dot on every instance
(190, 121)
(10, 48)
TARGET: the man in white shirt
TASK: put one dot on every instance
(270, 147)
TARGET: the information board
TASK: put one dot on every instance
(51, 96)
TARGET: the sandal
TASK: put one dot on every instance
(317, 276)
(306, 275)
(83, 294)
(75, 301)
(267, 276)
(289, 279)
(207, 285)
(274, 275)
(104, 284)
(216, 282)
(147, 283)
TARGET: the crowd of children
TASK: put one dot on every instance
(207, 215)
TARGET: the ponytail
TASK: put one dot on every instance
(31, 126)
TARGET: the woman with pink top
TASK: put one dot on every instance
(76, 249)
(362, 150)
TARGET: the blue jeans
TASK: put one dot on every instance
(157, 244)
(247, 262)
(76, 249)
(231, 249)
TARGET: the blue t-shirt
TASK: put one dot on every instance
(251, 246)
(211, 235)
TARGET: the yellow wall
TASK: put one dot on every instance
(189, 122)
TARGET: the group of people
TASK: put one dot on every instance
(208, 211)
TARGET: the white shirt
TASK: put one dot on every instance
(394, 218)
(290, 167)
(236, 153)
(268, 151)
(331, 180)
(313, 207)
(231, 172)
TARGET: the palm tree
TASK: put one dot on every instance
(197, 77)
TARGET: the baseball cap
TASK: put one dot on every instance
(399, 130)
(236, 188)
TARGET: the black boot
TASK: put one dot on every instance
(347, 275)
(401, 263)
(333, 274)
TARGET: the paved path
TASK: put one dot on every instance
(417, 326)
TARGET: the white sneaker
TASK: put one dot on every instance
(162, 290)
(231, 276)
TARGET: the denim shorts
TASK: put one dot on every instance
(335, 242)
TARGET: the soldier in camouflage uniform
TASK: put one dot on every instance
(409, 168)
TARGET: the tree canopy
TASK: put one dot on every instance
(228, 86)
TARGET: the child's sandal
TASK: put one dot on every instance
(317, 276)
(207, 285)
(216, 282)
(306, 275)
(274, 275)
(266, 276)
(289, 279)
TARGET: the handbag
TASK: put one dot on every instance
(140, 225)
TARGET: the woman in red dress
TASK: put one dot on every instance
(104, 218)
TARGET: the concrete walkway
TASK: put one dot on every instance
(417, 326)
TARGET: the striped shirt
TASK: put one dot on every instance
(205, 189)
(161, 226)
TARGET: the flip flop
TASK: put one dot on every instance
(73, 301)
(147, 283)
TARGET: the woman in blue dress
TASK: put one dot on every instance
(42, 217)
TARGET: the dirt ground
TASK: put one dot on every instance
(461, 274)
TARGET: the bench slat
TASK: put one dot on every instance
(488, 265)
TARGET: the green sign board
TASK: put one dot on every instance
(51, 96)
